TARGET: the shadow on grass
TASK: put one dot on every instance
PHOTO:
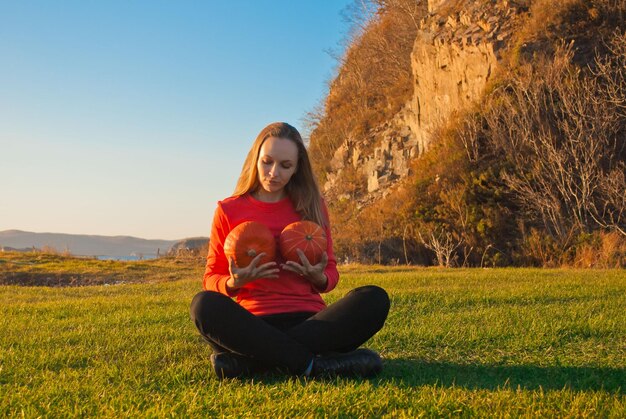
(492, 377)
(413, 373)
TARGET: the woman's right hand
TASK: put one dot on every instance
(241, 276)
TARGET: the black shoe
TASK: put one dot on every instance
(232, 365)
(360, 363)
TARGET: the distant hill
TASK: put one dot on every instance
(87, 245)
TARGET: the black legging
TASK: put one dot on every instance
(290, 340)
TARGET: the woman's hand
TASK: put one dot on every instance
(241, 276)
(313, 273)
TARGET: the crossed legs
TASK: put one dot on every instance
(290, 340)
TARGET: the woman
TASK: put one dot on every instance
(279, 320)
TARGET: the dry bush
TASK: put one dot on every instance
(539, 163)
(554, 133)
(586, 23)
(539, 249)
(374, 78)
(599, 250)
(564, 143)
(612, 252)
(191, 254)
(50, 250)
(444, 245)
(557, 131)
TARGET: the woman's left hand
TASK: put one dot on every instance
(313, 273)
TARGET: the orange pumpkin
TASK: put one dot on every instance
(306, 236)
(247, 240)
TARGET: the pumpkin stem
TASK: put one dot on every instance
(251, 253)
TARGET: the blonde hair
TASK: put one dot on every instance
(302, 188)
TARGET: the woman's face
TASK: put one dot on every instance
(278, 159)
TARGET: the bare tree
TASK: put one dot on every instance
(565, 143)
(443, 244)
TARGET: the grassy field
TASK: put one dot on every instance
(56, 270)
(462, 342)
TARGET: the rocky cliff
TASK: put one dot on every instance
(457, 49)
(188, 246)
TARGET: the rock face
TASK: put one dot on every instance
(448, 77)
(433, 5)
(455, 54)
(186, 246)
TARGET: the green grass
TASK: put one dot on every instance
(509, 342)
(34, 268)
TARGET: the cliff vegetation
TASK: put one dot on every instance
(478, 133)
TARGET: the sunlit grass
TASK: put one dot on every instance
(35, 268)
(457, 342)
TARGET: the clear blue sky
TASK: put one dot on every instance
(124, 117)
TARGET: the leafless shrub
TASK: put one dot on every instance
(565, 143)
(374, 78)
(444, 245)
(469, 134)
(602, 250)
(50, 250)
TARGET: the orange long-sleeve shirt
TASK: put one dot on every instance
(285, 294)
